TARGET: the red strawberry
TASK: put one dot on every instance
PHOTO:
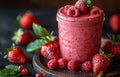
(27, 19)
(62, 62)
(16, 55)
(73, 11)
(82, 6)
(100, 62)
(23, 37)
(116, 51)
(115, 22)
(52, 64)
(87, 66)
(50, 50)
(73, 65)
(106, 45)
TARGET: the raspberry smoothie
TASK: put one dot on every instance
(79, 30)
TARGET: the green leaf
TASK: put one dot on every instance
(101, 52)
(89, 3)
(13, 67)
(7, 73)
(35, 45)
(40, 31)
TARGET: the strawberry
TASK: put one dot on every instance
(115, 22)
(23, 37)
(48, 44)
(100, 62)
(16, 55)
(52, 64)
(82, 6)
(106, 45)
(27, 19)
(50, 50)
(116, 51)
(87, 66)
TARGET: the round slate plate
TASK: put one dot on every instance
(40, 65)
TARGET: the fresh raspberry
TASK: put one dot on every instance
(62, 62)
(52, 64)
(82, 6)
(24, 71)
(73, 11)
(73, 65)
(116, 51)
(66, 7)
(106, 45)
(39, 75)
(94, 11)
(87, 66)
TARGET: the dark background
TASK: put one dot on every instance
(45, 11)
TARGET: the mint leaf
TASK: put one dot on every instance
(89, 3)
(40, 31)
(35, 45)
(13, 67)
(7, 73)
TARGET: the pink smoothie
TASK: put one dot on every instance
(79, 36)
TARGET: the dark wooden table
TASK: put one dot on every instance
(8, 26)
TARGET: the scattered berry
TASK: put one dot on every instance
(115, 22)
(52, 64)
(100, 62)
(21, 67)
(16, 55)
(39, 75)
(116, 51)
(73, 11)
(87, 66)
(62, 62)
(23, 37)
(106, 45)
(27, 19)
(82, 6)
(50, 50)
(73, 65)
(24, 71)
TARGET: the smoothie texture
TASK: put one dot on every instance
(79, 30)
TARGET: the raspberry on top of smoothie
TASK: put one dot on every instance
(80, 9)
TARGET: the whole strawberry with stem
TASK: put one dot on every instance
(115, 49)
(48, 45)
(23, 37)
(27, 19)
(101, 62)
(16, 55)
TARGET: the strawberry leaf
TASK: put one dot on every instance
(40, 31)
(7, 73)
(13, 67)
(35, 45)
